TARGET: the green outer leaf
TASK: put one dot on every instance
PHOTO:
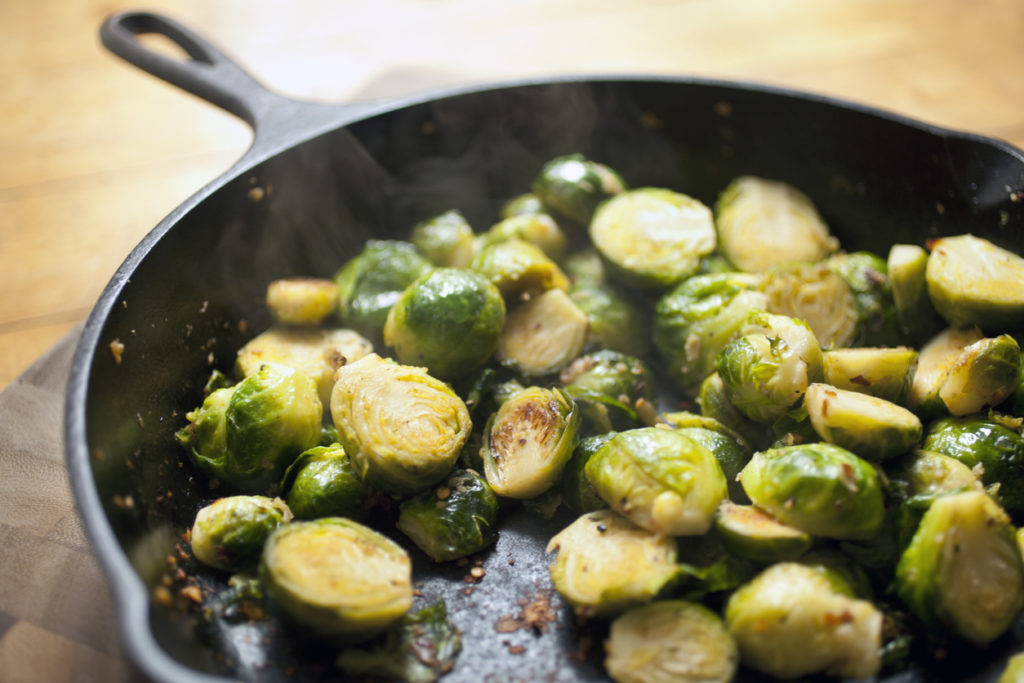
(456, 519)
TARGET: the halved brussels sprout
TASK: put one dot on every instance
(974, 282)
(867, 275)
(697, 318)
(585, 267)
(927, 473)
(1013, 672)
(816, 294)
(318, 353)
(419, 648)
(907, 264)
(453, 520)
(573, 186)
(714, 403)
(402, 428)
(767, 370)
(993, 451)
(518, 269)
(446, 240)
(822, 489)
(248, 434)
(229, 532)
(616, 320)
(764, 223)
(962, 570)
(577, 492)
(753, 534)
(652, 237)
(337, 577)
(872, 427)
(539, 229)
(526, 204)
(933, 364)
(448, 321)
(528, 442)
(606, 564)
(613, 390)
(984, 373)
(543, 334)
(659, 479)
(302, 301)
(885, 372)
(730, 450)
(793, 621)
(370, 283)
(322, 483)
(671, 640)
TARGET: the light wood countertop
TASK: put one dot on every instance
(95, 152)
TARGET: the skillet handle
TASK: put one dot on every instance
(209, 73)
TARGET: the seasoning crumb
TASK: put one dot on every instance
(162, 596)
(443, 492)
(514, 649)
(256, 194)
(536, 614)
(192, 593)
(477, 572)
(116, 349)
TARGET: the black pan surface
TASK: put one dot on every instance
(318, 181)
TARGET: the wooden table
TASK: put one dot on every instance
(95, 153)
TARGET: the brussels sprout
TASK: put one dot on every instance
(585, 267)
(984, 373)
(963, 569)
(867, 276)
(322, 483)
(845, 575)
(448, 321)
(606, 564)
(933, 365)
(613, 390)
(446, 239)
(318, 353)
(927, 473)
(518, 269)
(302, 301)
(652, 237)
(885, 372)
(792, 621)
(822, 489)
(573, 186)
(872, 427)
(819, 296)
(659, 479)
(697, 318)
(538, 229)
(616, 320)
(577, 492)
(767, 370)
(714, 403)
(456, 519)
(337, 577)
(917, 317)
(370, 283)
(526, 204)
(420, 648)
(528, 442)
(402, 428)
(993, 451)
(1013, 672)
(764, 223)
(543, 334)
(729, 449)
(753, 534)
(672, 640)
(974, 282)
(229, 532)
(248, 434)
(206, 434)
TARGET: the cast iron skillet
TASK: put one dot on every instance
(319, 180)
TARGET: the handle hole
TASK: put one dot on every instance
(161, 44)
